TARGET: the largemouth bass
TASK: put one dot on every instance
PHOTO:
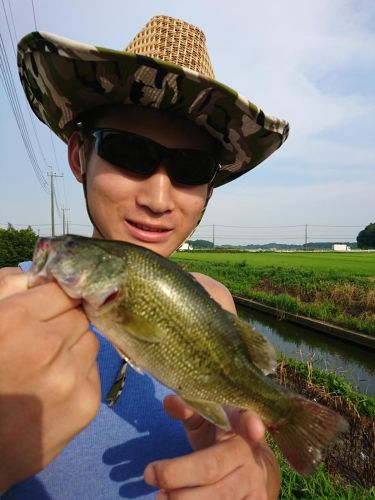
(163, 321)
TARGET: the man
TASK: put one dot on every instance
(149, 140)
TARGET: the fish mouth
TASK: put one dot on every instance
(43, 254)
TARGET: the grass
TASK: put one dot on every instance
(319, 485)
(332, 289)
(345, 474)
(334, 386)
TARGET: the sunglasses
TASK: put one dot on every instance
(139, 155)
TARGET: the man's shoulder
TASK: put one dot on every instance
(217, 290)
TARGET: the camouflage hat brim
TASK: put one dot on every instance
(63, 78)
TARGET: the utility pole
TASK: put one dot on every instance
(305, 236)
(52, 175)
(213, 236)
(65, 220)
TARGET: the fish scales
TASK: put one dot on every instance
(181, 318)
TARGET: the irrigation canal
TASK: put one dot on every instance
(355, 363)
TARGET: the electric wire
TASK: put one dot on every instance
(11, 92)
(32, 117)
(32, 3)
(259, 238)
(14, 29)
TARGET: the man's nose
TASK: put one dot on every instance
(157, 192)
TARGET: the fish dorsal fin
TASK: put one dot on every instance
(260, 349)
(142, 329)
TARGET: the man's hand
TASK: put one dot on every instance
(49, 383)
(235, 466)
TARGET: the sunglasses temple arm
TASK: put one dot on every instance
(81, 148)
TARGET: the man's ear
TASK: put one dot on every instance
(74, 156)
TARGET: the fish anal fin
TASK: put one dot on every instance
(212, 412)
(260, 349)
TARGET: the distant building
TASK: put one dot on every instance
(341, 247)
(185, 247)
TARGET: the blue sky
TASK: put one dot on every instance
(311, 62)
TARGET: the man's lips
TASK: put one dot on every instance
(148, 233)
(145, 227)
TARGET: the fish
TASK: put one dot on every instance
(162, 321)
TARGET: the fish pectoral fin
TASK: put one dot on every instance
(260, 349)
(213, 412)
(142, 329)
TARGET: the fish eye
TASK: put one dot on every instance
(70, 243)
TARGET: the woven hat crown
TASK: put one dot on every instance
(173, 40)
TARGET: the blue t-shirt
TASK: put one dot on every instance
(107, 459)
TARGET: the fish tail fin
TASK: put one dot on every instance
(307, 430)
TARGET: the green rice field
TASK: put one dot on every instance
(338, 288)
(351, 263)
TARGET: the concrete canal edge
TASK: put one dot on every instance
(314, 324)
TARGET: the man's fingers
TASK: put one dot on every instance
(176, 408)
(86, 350)
(234, 486)
(71, 326)
(12, 280)
(205, 466)
(10, 270)
(247, 424)
(47, 301)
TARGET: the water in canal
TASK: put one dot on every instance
(355, 363)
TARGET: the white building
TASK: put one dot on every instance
(340, 247)
(185, 247)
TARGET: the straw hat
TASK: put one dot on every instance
(166, 67)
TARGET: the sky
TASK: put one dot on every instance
(311, 62)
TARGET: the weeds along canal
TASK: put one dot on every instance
(355, 363)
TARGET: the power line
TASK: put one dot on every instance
(273, 227)
(258, 227)
(11, 92)
(10, 34)
(15, 54)
(11, 16)
(27, 107)
(258, 237)
(31, 117)
(32, 3)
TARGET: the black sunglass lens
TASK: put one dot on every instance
(193, 167)
(127, 151)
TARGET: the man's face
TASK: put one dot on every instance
(149, 211)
